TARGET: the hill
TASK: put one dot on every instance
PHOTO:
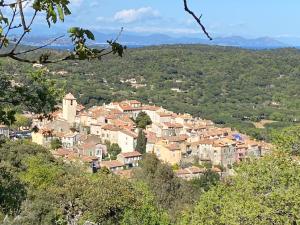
(233, 87)
(138, 40)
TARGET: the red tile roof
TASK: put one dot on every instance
(173, 147)
(80, 107)
(129, 133)
(150, 108)
(216, 170)
(173, 125)
(110, 127)
(179, 138)
(134, 102)
(126, 107)
(195, 170)
(182, 172)
(111, 164)
(131, 154)
(69, 97)
(62, 152)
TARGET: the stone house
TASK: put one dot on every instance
(130, 159)
(127, 140)
(167, 152)
(113, 165)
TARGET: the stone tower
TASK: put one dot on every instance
(69, 108)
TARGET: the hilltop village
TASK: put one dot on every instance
(180, 140)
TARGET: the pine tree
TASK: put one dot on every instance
(141, 142)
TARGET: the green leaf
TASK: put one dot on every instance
(60, 13)
(66, 10)
(89, 35)
(73, 30)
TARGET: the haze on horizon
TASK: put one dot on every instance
(250, 19)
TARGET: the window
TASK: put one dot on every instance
(71, 102)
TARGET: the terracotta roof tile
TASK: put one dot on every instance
(111, 164)
(131, 154)
(110, 127)
(69, 97)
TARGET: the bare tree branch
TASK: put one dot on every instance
(20, 4)
(198, 19)
(25, 32)
(9, 27)
(40, 47)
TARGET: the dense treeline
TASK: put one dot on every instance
(37, 189)
(231, 86)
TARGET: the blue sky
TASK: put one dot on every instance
(252, 18)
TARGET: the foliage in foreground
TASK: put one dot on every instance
(37, 189)
(52, 192)
(264, 191)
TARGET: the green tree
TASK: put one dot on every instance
(22, 121)
(170, 193)
(288, 139)
(12, 191)
(143, 120)
(146, 213)
(264, 191)
(36, 93)
(16, 152)
(53, 11)
(113, 150)
(56, 144)
(141, 142)
(206, 181)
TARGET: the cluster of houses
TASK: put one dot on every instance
(174, 138)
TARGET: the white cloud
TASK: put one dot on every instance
(165, 30)
(134, 15)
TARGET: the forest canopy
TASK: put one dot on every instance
(233, 87)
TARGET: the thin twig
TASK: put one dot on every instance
(9, 27)
(22, 15)
(24, 33)
(40, 47)
(198, 19)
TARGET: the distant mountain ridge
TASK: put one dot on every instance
(162, 39)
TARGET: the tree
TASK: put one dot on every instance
(146, 213)
(56, 144)
(208, 180)
(170, 193)
(141, 142)
(143, 120)
(16, 152)
(54, 10)
(48, 191)
(36, 93)
(76, 196)
(288, 139)
(22, 121)
(264, 191)
(12, 191)
(113, 150)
